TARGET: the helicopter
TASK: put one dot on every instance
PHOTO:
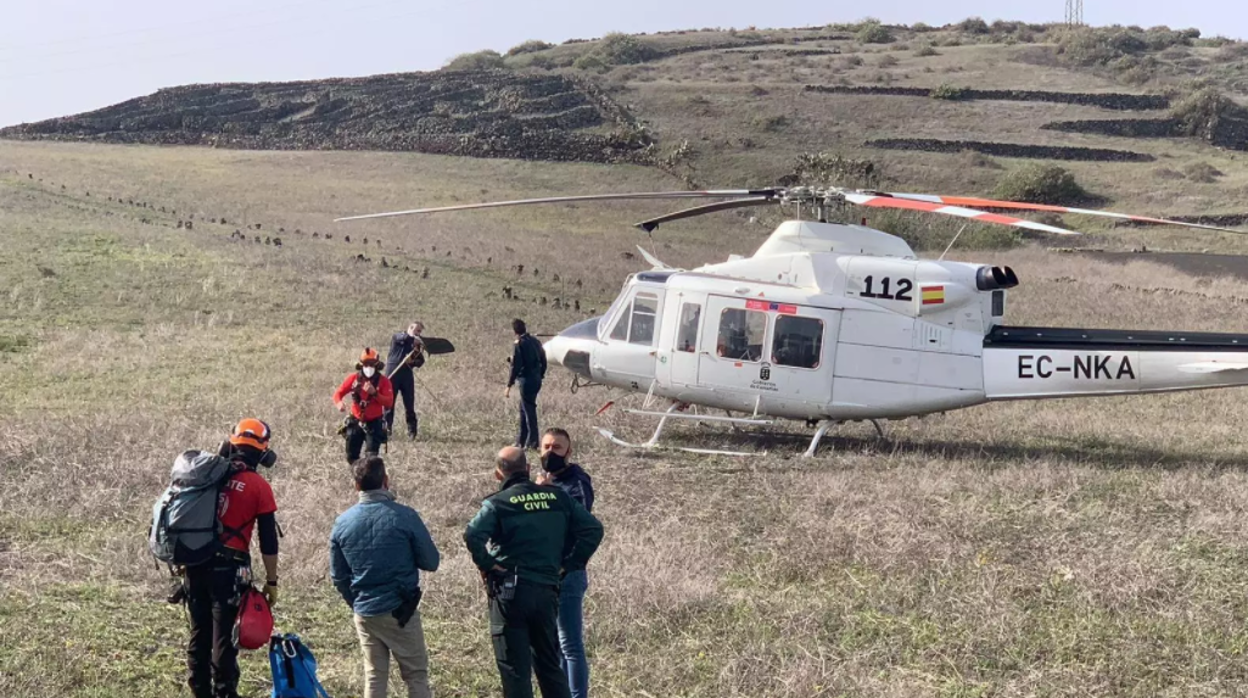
(829, 323)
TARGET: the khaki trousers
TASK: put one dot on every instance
(380, 637)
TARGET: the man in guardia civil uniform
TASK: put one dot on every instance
(523, 540)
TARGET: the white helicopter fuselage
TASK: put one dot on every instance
(843, 322)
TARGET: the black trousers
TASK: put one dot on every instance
(367, 435)
(528, 436)
(405, 387)
(525, 635)
(212, 596)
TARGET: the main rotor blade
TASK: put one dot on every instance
(710, 194)
(652, 223)
(886, 201)
(1021, 206)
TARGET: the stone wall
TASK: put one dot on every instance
(1010, 150)
(1104, 100)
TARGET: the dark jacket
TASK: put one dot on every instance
(376, 551)
(401, 344)
(577, 483)
(533, 529)
(528, 360)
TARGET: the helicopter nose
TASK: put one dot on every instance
(577, 340)
(556, 348)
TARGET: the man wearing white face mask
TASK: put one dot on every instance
(371, 394)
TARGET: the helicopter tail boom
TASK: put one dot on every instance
(1037, 362)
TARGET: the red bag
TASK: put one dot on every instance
(254, 625)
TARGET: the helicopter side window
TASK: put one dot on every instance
(798, 341)
(687, 337)
(741, 334)
(645, 308)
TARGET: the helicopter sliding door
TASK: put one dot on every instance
(774, 356)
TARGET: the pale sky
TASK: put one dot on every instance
(60, 57)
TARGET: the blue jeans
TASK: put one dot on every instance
(572, 631)
(528, 436)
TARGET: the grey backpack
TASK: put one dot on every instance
(185, 528)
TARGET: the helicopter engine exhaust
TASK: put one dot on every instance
(993, 278)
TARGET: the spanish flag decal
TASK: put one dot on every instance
(932, 295)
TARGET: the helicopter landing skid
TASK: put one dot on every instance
(823, 430)
(610, 436)
(672, 413)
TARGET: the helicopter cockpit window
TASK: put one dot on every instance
(741, 334)
(620, 331)
(687, 336)
(798, 341)
(645, 308)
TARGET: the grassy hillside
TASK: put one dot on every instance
(720, 107)
(1060, 548)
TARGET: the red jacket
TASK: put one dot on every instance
(366, 407)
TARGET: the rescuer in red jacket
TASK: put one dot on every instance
(370, 394)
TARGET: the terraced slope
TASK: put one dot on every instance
(478, 113)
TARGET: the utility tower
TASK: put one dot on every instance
(1074, 13)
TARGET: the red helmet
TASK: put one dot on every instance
(251, 432)
(369, 356)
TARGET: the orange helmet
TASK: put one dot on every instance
(369, 356)
(251, 432)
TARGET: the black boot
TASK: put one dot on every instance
(413, 428)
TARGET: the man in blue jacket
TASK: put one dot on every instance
(571, 478)
(376, 550)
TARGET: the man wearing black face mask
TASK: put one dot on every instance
(568, 476)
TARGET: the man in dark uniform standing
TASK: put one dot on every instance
(522, 540)
(406, 355)
(528, 368)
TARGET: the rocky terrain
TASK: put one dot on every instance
(473, 113)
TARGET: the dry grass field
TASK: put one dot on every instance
(1063, 548)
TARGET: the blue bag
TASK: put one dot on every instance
(294, 669)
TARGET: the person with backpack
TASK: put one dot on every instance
(376, 552)
(212, 588)
(370, 394)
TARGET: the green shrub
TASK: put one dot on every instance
(852, 61)
(947, 91)
(1041, 184)
(973, 25)
(828, 169)
(1090, 47)
(920, 27)
(926, 50)
(874, 33)
(480, 60)
(771, 124)
(617, 49)
(12, 344)
(887, 61)
(924, 231)
(1202, 172)
(1198, 113)
(531, 46)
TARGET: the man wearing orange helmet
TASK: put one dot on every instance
(213, 588)
(371, 394)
